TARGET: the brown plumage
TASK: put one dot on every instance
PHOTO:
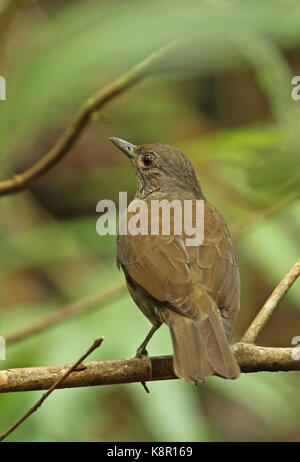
(193, 289)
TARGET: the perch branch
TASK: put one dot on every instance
(266, 311)
(56, 384)
(81, 119)
(62, 314)
(251, 358)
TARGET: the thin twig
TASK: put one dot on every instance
(240, 227)
(251, 358)
(266, 311)
(56, 384)
(82, 118)
(65, 313)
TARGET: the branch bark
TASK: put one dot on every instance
(251, 358)
(82, 118)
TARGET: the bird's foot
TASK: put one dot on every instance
(142, 353)
(145, 387)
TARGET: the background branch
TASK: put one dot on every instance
(82, 118)
(251, 358)
(270, 305)
(239, 228)
(65, 313)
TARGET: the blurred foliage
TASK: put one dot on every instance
(224, 98)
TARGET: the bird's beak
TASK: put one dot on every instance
(124, 146)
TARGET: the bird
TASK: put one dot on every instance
(193, 289)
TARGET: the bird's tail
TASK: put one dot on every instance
(201, 348)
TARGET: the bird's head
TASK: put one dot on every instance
(161, 170)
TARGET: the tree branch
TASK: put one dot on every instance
(265, 313)
(251, 358)
(82, 118)
(57, 383)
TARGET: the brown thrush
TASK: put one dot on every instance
(195, 290)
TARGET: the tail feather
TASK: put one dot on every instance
(200, 347)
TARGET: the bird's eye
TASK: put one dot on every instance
(148, 160)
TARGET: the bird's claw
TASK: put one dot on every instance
(142, 353)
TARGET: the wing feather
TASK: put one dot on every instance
(169, 270)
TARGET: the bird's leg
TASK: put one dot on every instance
(143, 353)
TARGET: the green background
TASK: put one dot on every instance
(225, 101)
